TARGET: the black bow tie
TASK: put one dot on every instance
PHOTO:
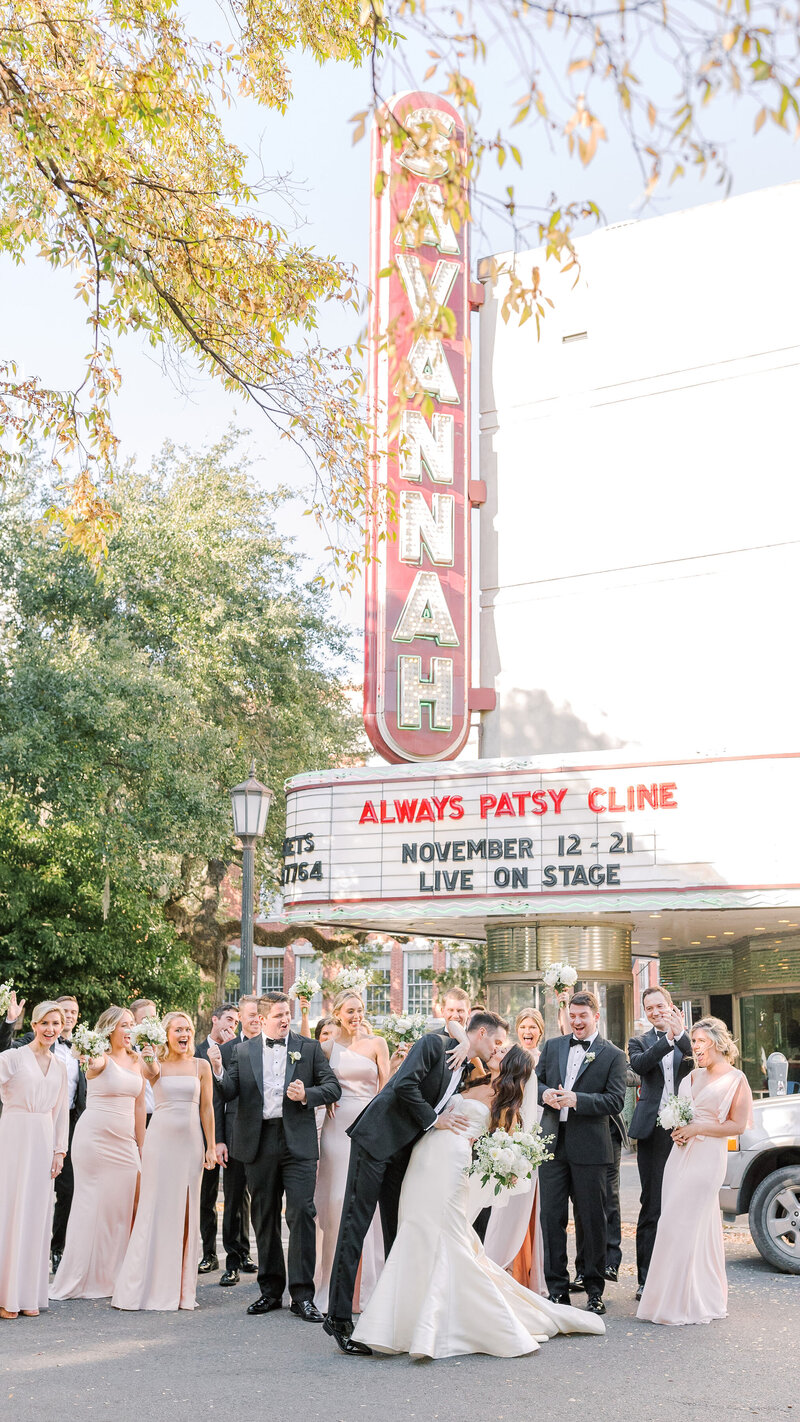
(274, 1041)
(65, 1041)
(578, 1042)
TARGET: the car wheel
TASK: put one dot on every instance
(775, 1219)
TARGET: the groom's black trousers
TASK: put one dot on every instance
(275, 1172)
(586, 1184)
(371, 1184)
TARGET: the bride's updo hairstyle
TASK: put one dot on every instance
(715, 1028)
(515, 1071)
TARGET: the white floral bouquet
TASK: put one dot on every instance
(87, 1042)
(560, 977)
(148, 1032)
(404, 1028)
(353, 980)
(6, 989)
(678, 1111)
(506, 1158)
(304, 986)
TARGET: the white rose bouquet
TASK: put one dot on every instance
(505, 1158)
(678, 1111)
(353, 980)
(304, 986)
(398, 1028)
(148, 1032)
(560, 977)
(86, 1042)
(6, 990)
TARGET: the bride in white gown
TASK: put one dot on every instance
(439, 1295)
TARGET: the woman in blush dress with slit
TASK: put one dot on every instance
(34, 1128)
(106, 1160)
(362, 1065)
(686, 1281)
(160, 1266)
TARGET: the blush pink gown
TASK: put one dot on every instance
(686, 1281)
(105, 1159)
(160, 1267)
(359, 1078)
(34, 1124)
(514, 1233)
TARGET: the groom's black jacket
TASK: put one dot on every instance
(399, 1114)
(244, 1077)
(600, 1090)
(646, 1054)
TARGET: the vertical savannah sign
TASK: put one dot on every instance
(418, 615)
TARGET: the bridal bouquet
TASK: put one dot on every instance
(678, 1111)
(560, 977)
(304, 986)
(353, 980)
(149, 1033)
(86, 1042)
(505, 1158)
(398, 1028)
(6, 990)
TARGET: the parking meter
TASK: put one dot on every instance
(777, 1074)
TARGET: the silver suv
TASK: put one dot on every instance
(763, 1180)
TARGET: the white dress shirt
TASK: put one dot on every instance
(452, 1085)
(64, 1054)
(668, 1068)
(274, 1069)
(575, 1060)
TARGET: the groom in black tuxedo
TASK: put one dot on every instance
(279, 1078)
(581, 1086)
(662, 1058)
(417, 1098)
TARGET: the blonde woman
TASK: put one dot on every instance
(106, 1159)
(160, 1266)
(686, 1281)
(34, 1129)
(514, 1233)
(361, 1064)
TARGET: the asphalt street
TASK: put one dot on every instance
(86, 1359)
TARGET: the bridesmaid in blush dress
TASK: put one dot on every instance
(106, 1161)
(362, 1065)
(160, 1266)
(33, 1141)
(514, 1233)
(686, 1281)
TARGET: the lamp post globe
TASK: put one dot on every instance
(250, 801)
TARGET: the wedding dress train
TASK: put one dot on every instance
(439, 1295)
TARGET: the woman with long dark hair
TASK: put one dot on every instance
(439, 1295)
(514, 1234)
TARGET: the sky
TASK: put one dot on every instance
(42, 325)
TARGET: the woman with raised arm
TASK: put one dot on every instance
(160, 1266)
(34, 1128)
(361, 1063)
(686, 1281)
(106, 1159)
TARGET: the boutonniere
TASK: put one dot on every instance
(294, 1056)
(590, 1056)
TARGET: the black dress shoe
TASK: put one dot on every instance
(246, 1265)
(595, 1305)
(264, 1305)
(229, 1278)
(563, 1299)
(340, 1332)
(612, 1274)
(639, 1292)
(208, 1264)
(577, 1286)
(56, 1260)
(306, 1310)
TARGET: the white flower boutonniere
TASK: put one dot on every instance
(590, 1056)
(294, 1056)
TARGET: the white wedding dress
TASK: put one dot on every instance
(439, 1295)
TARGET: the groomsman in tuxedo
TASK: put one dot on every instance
(140, 1008)
(65, 1182)
(223, 1029)
(279, 1079)
(662, 1058)
(581, 1086)
(419, 1097)
(235, 1194)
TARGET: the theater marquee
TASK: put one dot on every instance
(557, 835)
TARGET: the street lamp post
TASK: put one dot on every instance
(251, 801)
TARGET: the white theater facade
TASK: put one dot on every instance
(629, 796)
